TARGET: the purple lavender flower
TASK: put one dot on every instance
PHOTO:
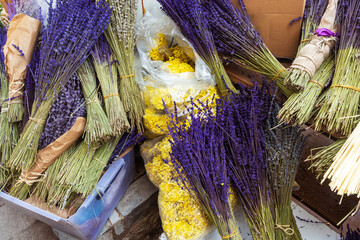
(69, 105)
(191, 18)
(73, 27)
(199, 157)
(314, 10)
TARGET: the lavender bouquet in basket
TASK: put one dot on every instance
(194, 24)
(236, 38)
(198, 155)
(73, 28)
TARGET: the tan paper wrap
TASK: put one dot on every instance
(23, 32)
(313, 54)
(49, 154)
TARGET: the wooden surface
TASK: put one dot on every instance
(314, 195)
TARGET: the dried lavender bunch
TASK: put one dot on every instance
(339, 104)
(97, 129)
(29, 88)
(314, 10)
(284, 146)
(17, 108)
(245, 115)
(9, 133)
(236, 38)
(198, 155)
(299, 107)
(121, 36)
(72, 30)
(106, 71)
(195, 25)
(69, 105)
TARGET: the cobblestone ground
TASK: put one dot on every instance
(17, 226)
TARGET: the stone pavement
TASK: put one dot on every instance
(137, 212)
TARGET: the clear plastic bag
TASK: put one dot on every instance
(169, 70)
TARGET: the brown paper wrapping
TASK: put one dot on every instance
(313, 54)
(49, 154)
(23, 32)
(63, 213)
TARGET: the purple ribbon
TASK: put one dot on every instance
(324, 32)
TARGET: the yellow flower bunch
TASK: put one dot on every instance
(155, 123)
(182, 217)
(176, 66)
(178, 61)
(178, 53)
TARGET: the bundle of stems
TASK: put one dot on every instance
(284, 148)
(340, 103)
(72, 171)
(345, 168)
(92, 174)
(239, 42)
(314, 10)
(46, 188)
(299, 107)
(324, 157)
(195, 26)
(72, 30)
(106, 71)
(245, 114)
(9, 133)
(121, 36)
(98, 129)
(198, 156)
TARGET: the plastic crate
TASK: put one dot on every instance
(92, 215)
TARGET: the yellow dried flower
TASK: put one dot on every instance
(158, 95)
(182, 217)
(155, 55)
(179, 54)
(177, 66)
(155, 123)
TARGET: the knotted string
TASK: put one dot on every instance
(127, 76)
(232, 234)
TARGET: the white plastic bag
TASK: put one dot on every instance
(178, 83)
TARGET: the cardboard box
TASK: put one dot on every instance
(272, 19)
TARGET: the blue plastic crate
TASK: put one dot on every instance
(92, 215)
